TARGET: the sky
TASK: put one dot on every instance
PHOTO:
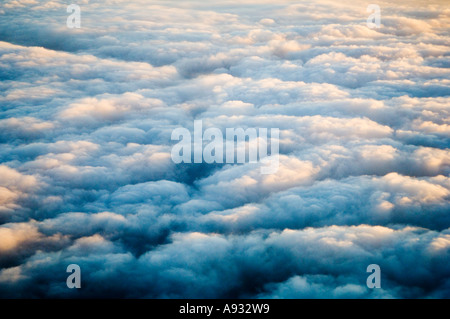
(86, 175)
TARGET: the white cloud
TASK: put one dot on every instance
(86, 175)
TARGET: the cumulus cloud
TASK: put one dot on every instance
(86, 176)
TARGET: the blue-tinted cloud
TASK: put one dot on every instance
(86, 175)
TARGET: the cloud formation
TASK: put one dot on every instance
(86, 175)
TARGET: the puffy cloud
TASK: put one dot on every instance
(309, 263)
(15, 190)
(86, 175)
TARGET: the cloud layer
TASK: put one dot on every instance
(86, 175)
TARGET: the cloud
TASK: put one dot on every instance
(309, 263)
(86, 176)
